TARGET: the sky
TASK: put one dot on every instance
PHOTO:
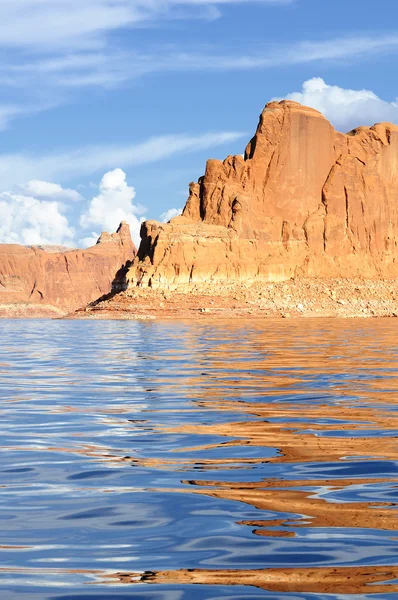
(109, 108)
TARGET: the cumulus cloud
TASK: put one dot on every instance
(89, 241)
(35, 214)
(345, 108)
(29, 221)
(21, 208)
(170, 214)
(48, 190)
(113, 204)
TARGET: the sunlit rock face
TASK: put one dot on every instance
(304, 200)
(64, 279)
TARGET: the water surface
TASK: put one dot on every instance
(194, 460)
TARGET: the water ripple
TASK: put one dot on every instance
(140, 459)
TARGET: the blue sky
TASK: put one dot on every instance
(144, 91)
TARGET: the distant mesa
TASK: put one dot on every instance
(303, 201)
(52, 248)
(57, 279)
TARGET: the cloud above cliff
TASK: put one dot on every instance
(170, 214)
(345, 108)
(113, 204)
(40, 212)
(28, 220)
(47, 190)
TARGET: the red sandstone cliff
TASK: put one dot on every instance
(305, 200)
(36, 280)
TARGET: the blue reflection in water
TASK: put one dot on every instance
(129, 447)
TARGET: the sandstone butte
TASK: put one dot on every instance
(303, 201)
(304, 223)
(35, 281)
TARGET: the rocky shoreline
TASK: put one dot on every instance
(298, 298)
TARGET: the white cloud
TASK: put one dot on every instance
(170, 214)
(113, 204)
(87, 242)
(110, 67)
(7, 113)
(75, 48)
(48, 190)
(76, 24)
(74, 45)
(60, 166)
(345, 108)
(270, 56)
(10, 112)
(27, 220)
(33, 212)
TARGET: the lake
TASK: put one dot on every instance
(168, 460)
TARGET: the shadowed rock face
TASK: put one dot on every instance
(66, 280)
(304, 200)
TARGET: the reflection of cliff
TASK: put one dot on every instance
(339, 580)
(187, 420)
(305, 507)
(320, 580)
(260, 392)
(34, 279)
(304, 200)
(306, 390)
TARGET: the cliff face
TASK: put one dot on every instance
(304, 200)
(66, 280)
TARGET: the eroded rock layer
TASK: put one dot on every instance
(38, 280)
(303, 201)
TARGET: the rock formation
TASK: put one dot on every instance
(38, 280)
(303, 201)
